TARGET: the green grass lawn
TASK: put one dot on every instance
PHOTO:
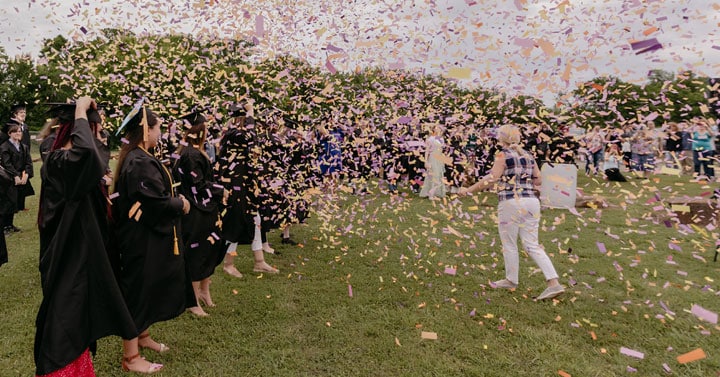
(395, 254)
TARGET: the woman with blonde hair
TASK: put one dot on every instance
(517, 178)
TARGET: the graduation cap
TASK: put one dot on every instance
(194, 118)
(65, 112)
(137, 117)
(237, 110)
(8, 125)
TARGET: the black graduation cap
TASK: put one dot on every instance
(237, 110)
(194, 118)
(65, 112)
(8, 124)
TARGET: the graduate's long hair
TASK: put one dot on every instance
(133, 137)
(48, 129)
(64, 131)
(195, 136)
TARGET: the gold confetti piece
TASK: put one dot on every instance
(428, 335)
(135, 207)
(397, 342)
(459, 73)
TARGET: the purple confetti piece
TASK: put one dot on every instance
(632, 353)
(704, 314)
(639, 45)
(601, 247)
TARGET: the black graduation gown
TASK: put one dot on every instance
(17, 162)
(3, 246)
(82, 300)
(9, 159)
(299, 174)
(204, 249)
(46, 145)
(235, 174)
(146, 215)
(272, 179)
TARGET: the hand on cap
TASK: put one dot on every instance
(82, 105)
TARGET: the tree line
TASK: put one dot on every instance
(177, 73)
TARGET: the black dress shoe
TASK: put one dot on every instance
(288, 241)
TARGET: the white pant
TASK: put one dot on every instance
(522, 215)
(257, 239)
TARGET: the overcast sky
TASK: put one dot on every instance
(538, 48)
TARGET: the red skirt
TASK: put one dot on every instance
(80, 367)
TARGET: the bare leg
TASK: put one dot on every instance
(261, 265)
(205, 292)
(145, 341)
(197, 310)
(229, 265)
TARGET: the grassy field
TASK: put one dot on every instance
(375, 272)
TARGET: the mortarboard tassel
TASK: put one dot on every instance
(176, 250)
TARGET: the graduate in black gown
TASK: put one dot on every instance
(18, 114)
(4, 184)
(236, 171)
(15, 158)
(82, 300)
(204, 249)
(147, 216)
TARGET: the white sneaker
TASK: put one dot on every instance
(551, 292)
(504, 283)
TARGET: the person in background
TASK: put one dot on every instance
(5, 182)
(628, 131)
(15, 158)
(518, 178)
(595, 141)
(643, 160)
(434, 184)
(18, 116)
(82, 300)
(612, 164)
(703, 148)
(673, 146)
(686, 160)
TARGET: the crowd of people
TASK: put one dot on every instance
(180, 203)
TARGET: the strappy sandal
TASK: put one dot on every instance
(151, 369)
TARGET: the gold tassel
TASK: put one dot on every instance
(144, 123)
(176, 250)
